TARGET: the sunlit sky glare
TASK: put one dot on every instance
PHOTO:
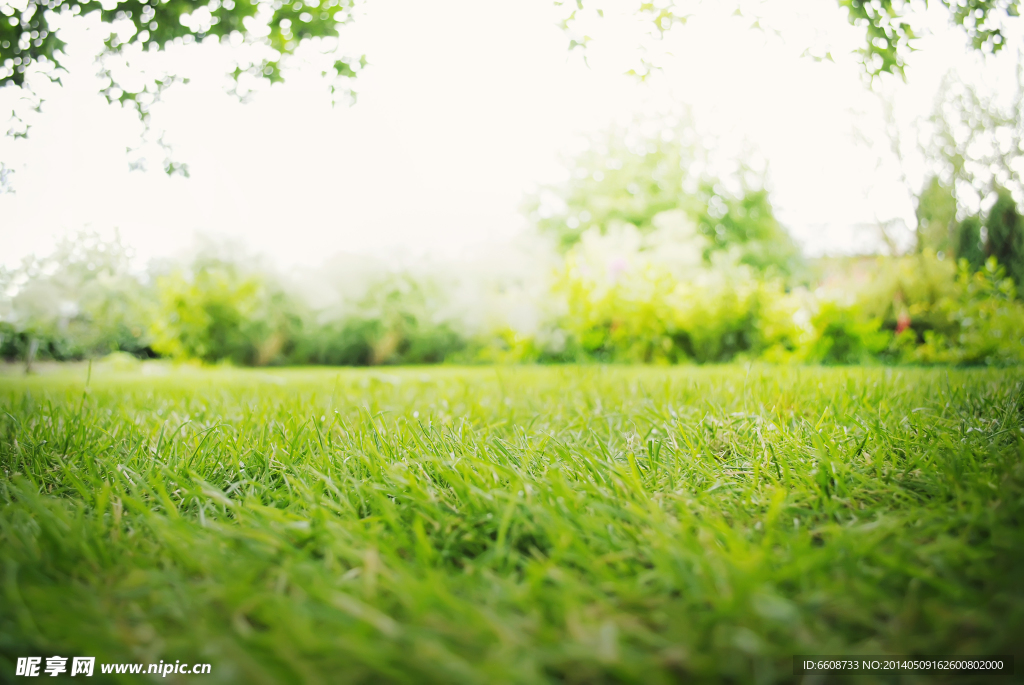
(465, 106)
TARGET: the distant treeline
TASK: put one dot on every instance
(641, 256)
(620, 297)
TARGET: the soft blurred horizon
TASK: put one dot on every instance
(463, 111)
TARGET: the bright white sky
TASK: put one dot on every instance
(466, 105)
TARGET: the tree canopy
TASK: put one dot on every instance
(890, 33)
(889, 26)
(27, 36)
(632, 176)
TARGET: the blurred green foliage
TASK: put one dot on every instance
(215, 311)
(843, 335)
(920, 309)
(986, 322)
(936, 217)
(625, 296)
(27, 38)
(394, 322)
(890, 27)
(968, 242)
(976, 137)
(1004, 235)
(890, 31)
(632, 176)
(998, 235)
(80, 300)
(910, 289)
(630, 299)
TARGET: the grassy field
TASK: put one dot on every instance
(500, 525)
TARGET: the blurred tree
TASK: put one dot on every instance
(749, 224)
(968, 242)
(936, 217)
(631, 178)
(889, 31)
(82, 299)
(1004, 237)
(978, 140)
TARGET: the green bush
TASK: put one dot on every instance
(13, 343)
(394, 322)
(626, 300)
(624, 295)
(919, 309)
(988, 319)
(936, 217)
(844, 335)
(909, 292)
(359, 341)
(214, 311)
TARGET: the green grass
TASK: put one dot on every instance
(528, 525)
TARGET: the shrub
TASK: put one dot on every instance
(908, 293)
(844, 335)
(214, 311)
(989, 321)
(633, 298)
(395, 320)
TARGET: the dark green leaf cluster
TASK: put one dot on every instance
(969, 246)
(1004, 236)
(888, 25)
(26, 36)
(890, 34)
(997, 234)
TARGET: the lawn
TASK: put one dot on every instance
(498, 525)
